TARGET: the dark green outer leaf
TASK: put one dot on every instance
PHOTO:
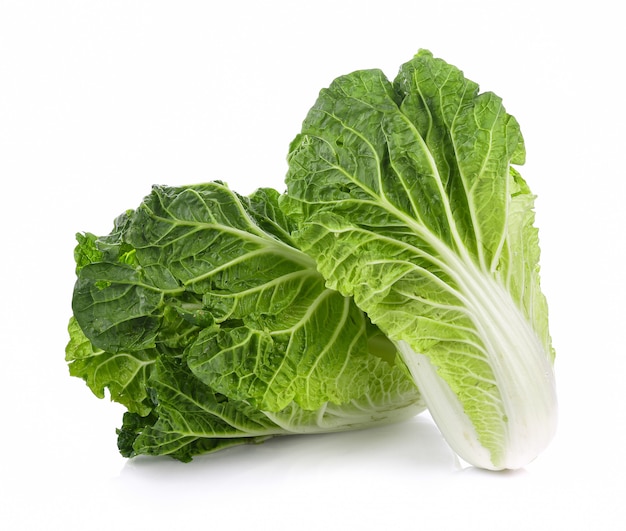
(207, 286)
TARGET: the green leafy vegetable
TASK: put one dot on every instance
(406, 197)
(403, 255)
(202, 318)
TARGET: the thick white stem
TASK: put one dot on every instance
(522, 371)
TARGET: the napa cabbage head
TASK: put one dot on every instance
(408, 196)
(202, 318)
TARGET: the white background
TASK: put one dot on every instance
(101, 99)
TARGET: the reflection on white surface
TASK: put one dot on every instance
(415, 444)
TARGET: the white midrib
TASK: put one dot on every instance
(521, 368)
(520, 364)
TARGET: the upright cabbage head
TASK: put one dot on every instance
(406, 196)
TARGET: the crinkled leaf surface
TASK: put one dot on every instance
(124, 374)
(191, 418)
(203, 283)
(405, 195)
